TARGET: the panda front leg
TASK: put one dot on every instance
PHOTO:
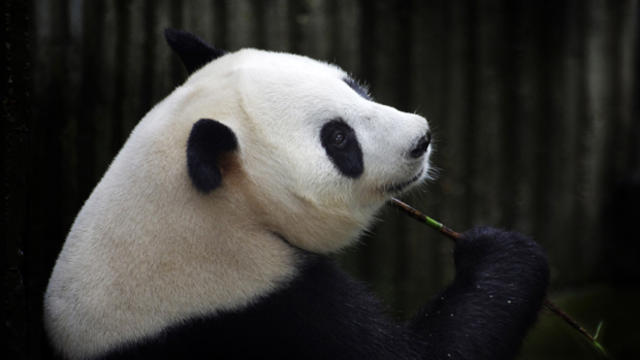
(501, 281)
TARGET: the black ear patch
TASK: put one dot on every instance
(207, 141)
(193, 52)
(360, 89)
(341, 144)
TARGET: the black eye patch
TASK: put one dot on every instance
(358, 88)
(340, 142)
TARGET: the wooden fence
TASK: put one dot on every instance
(534, 106)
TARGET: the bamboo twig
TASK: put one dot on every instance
(453, 235)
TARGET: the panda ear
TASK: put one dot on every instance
(208, 140)
(193, 52)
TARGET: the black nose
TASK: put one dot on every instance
(421, 146)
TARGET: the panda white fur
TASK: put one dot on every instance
(207, 236)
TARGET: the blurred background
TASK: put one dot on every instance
(534, 106)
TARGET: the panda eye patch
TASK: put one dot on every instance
(341, 144)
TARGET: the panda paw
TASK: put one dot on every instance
(499, 253)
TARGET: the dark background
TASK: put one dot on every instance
(534, 106)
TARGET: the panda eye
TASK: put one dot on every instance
(339, 139)
(337, 135)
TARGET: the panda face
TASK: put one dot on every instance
(315, 144)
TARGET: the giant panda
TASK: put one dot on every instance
(209, 234)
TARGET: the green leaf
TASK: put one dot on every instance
(595, 337)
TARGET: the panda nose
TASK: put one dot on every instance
(421, 146)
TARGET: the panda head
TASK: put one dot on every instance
(297, 141)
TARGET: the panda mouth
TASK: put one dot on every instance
(398, 187)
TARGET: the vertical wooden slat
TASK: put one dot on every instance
(178, 73)
(345, 37)
(615, 123)
(600, 113)
(508, 127)
(566, 229)
(367, 40)
(621, 38)
(220, 20)
(627, 80)
(69, 167)
(148, 56)
(120, 35)
(315, 33)
(449, 142)
(241, 31)
(135, 59)
(197, 18)
(545, 127)
(275, 25)
(487, 137)
(528, 112)
(165, 61)
(471, 65)
(88, 114)
(297, 14)
(634, 134)
(103, 64)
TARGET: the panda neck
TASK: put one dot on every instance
(178, 255)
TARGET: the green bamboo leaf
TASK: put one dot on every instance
(595, 337)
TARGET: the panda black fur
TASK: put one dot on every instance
(207, 237)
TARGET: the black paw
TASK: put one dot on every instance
(499, 253)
